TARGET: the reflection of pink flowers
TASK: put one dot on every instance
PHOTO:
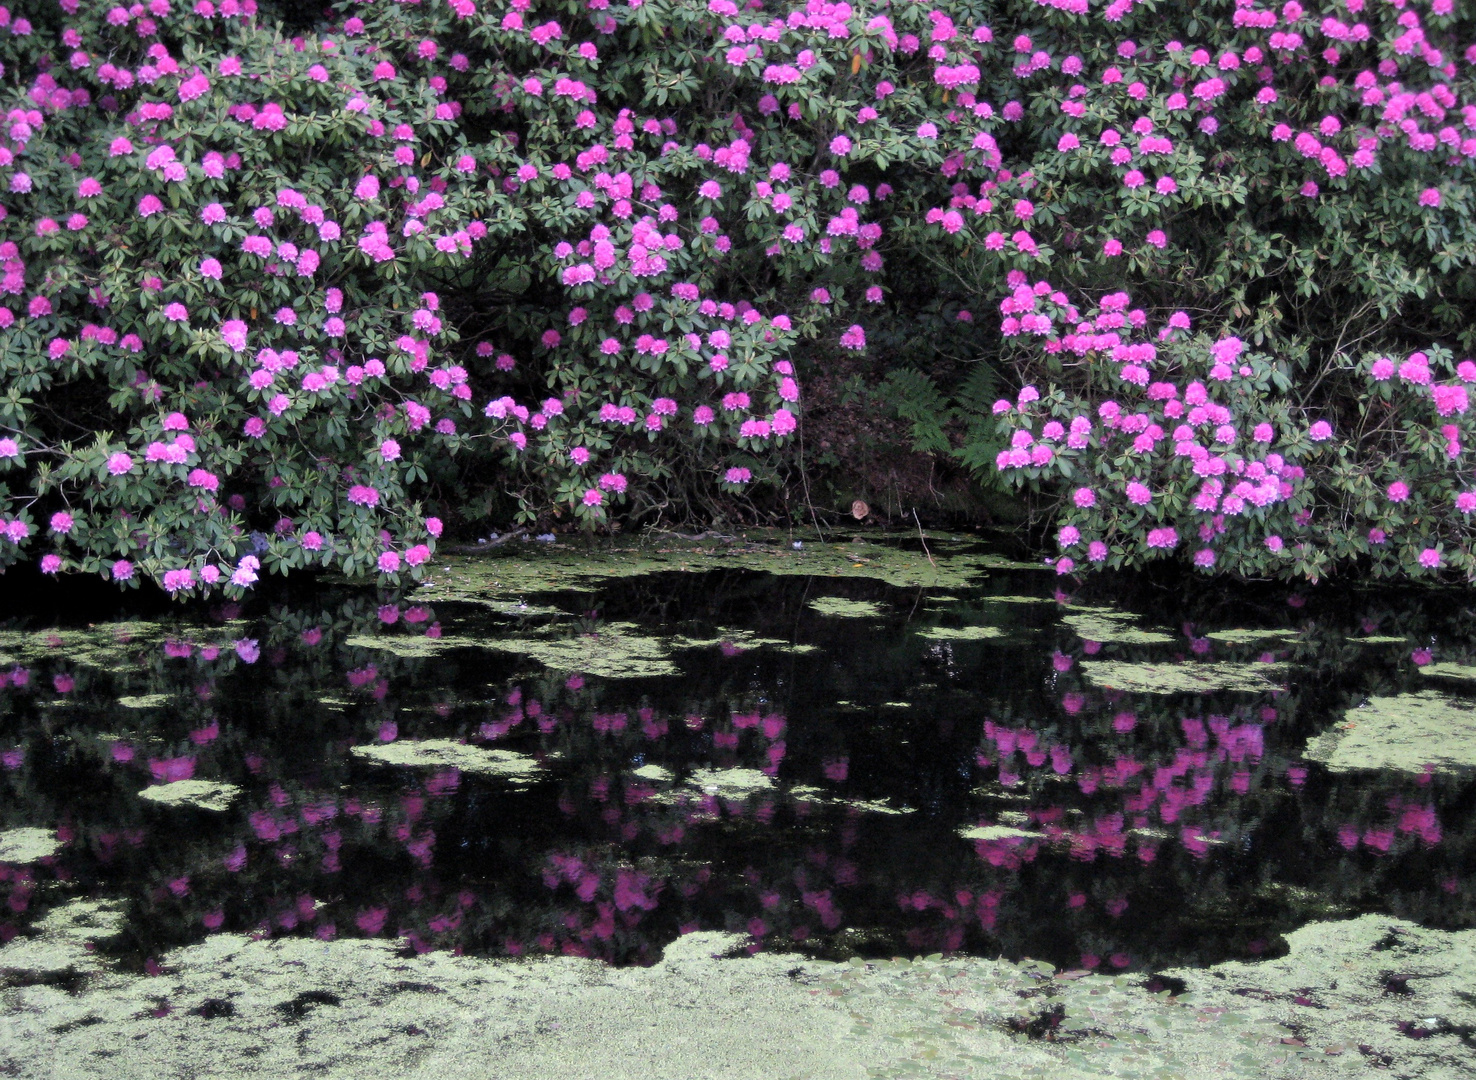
(1381, 840)
(371, 922)
(265, 826)
(168, 770)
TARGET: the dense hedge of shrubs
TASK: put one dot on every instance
(288, 288)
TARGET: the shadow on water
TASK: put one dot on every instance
(1118, 778)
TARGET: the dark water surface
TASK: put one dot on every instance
(725, 750)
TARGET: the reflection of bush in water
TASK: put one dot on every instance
(636, 848)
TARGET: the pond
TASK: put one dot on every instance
(858, 747)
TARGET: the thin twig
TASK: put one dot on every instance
(923, 538)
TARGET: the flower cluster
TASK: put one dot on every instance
(475, 258)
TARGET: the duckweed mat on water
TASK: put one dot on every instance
(1410, 732)
(496, 577)
(204, 794)
(614, 651)
(1182, 678)
(27, 845)
(961, 633)
(359, 1008)
(1115, 627)
(445, 753)
(838, 607)
(1253, 637)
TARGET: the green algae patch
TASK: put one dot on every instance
(739, 639)
(1251, 637)
(202, 794)
(1450, 670)
(512, 575)
(734, 783)
(1409, 733)
(414, 646)
(656, 774)
(810, 794)
(961, 633)
(523, 609)
(616, 651)
(839, 607)
(112, 647)
(997, 832)
(27, 845)
(1110, 626)
(1181, 678)
(144, 701)
(874, 806)
(447, 754)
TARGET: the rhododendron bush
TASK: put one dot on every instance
(290, 294)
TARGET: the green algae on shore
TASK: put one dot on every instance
(698, 1012)
(1450, 670)
(1410, 732)
(1181, 678)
